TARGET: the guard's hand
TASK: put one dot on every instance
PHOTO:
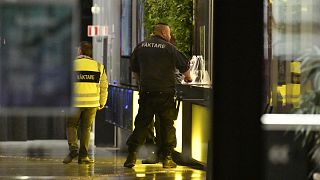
(100, 107)
(187, 79)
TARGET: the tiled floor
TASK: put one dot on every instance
(43, 160)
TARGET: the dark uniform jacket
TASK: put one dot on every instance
(155, 61)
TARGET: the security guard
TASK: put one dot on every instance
(153, 63)
(90, 95)
(154, 143)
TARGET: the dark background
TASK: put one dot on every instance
(86, 19)
(237, 85)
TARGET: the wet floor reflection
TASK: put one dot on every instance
(43, 160)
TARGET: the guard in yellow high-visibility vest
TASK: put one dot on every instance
(90, 95)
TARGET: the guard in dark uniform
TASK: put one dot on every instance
(153, 63)
(153, 143)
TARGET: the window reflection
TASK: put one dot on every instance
(36, 54)
(292, 61)
(293, 41)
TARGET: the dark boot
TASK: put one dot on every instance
(167, 162)
(131, 160)
(68, 159)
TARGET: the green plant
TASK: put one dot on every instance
(176, 13)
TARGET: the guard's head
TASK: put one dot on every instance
(163, 30)
(85, 48)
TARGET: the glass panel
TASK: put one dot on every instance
(140, 29)
(36, 53)
(292, 45)
(126, 11)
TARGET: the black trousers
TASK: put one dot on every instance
(150, 104)
(152, 140)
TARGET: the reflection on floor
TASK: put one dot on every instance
(43, 160)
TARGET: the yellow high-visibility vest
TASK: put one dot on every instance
(91, 86)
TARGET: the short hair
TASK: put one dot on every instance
(159, 26)
(86, 48)
(162, 23)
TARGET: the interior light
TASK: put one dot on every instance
(141, 175)
(178, 176)
(23, 177)
(200, 133)
(290, 119)
(304, 9)
(95, 9)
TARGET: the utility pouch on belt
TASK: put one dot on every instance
(176, 109)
